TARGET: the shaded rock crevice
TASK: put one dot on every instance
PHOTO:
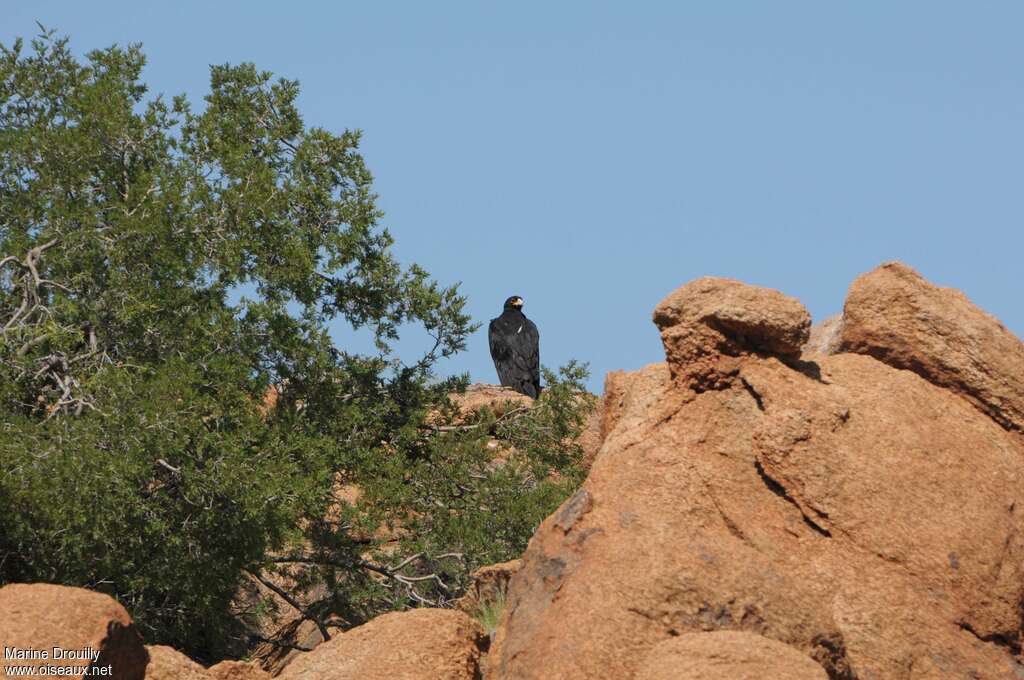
(776, 488)
(830, 653)
(811, 369)
(759, 338)
(755, 395)
(1001, 640)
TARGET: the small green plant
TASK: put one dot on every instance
(489, 613)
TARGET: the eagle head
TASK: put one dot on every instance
(514, 302)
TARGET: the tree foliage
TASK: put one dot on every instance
(138, 457)
(477, 492)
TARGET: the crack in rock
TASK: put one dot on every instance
(1000, 640)
(758, 399)
(780, 491)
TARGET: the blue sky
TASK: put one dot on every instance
(593, 156)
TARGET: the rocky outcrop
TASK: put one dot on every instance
(237, 670)
(863, 516)
(41, 617)
(709, 325)
(727, 655)
(505, 402)
(896, 316)
(494, 397)
(166, 663)
(410, 645)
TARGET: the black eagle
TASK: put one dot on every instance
(515, 348)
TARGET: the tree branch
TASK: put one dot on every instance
(391, 573)
(293, 602)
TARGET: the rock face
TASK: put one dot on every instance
(727, 655)
(870, 520)
(40, 617)
(896, 316)
(416, 644)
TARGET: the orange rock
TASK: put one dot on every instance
(630, 399)
(166, 663)
(237, 670)
(40, 617)
(411, 645)
(896, 316)
(727, 655)
(495, 397)
(864, 517)
(708, 324)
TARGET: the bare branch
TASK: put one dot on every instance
(164, 464)
(293, 602)
(278, 644)
(311, 559)
(38, 340)
(407, 561)
(391, 573)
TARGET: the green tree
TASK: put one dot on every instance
(135, 456)
(139, 457)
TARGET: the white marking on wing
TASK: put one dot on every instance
(520, 329)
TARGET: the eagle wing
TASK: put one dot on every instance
(531, 355)
(500, 351)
